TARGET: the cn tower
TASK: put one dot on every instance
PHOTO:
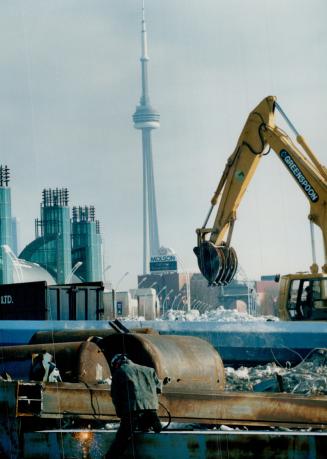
(146, 118)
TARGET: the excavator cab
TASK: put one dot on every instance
(303, 297)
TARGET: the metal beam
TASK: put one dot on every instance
(248, 408)
(234, 408)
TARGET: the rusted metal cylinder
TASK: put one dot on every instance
(188, 363)
(65, 336)
(77, 362)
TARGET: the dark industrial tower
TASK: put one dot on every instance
(146, 118)
(87, 244)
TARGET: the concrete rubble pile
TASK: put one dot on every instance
(308, 377)
(219, 314)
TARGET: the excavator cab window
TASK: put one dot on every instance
(293, 299)
(308, 299)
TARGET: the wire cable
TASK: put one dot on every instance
(169, 416)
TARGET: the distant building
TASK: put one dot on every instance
(171, 288)
(239, 294)
(269, 277)
(147, 304)
(202, 295)
(267, 293)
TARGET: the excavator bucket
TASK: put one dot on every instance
(217, 264)
(231, 264)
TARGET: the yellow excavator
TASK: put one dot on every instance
(302, 296)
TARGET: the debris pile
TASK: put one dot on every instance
(308, 377)
(219, 314)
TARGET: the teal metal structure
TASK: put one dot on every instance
(87, 244)
(65, 246)
(14, 230)
(52, 245)
(6, 260)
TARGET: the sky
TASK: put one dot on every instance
(70, 82)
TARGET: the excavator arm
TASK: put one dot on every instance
(216, 258)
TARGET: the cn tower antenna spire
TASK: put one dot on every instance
(147, 118)
(144, 61)
(144, 37)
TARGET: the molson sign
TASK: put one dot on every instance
(299, 176)
(163, 263)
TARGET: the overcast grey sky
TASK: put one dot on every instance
(70, 82)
